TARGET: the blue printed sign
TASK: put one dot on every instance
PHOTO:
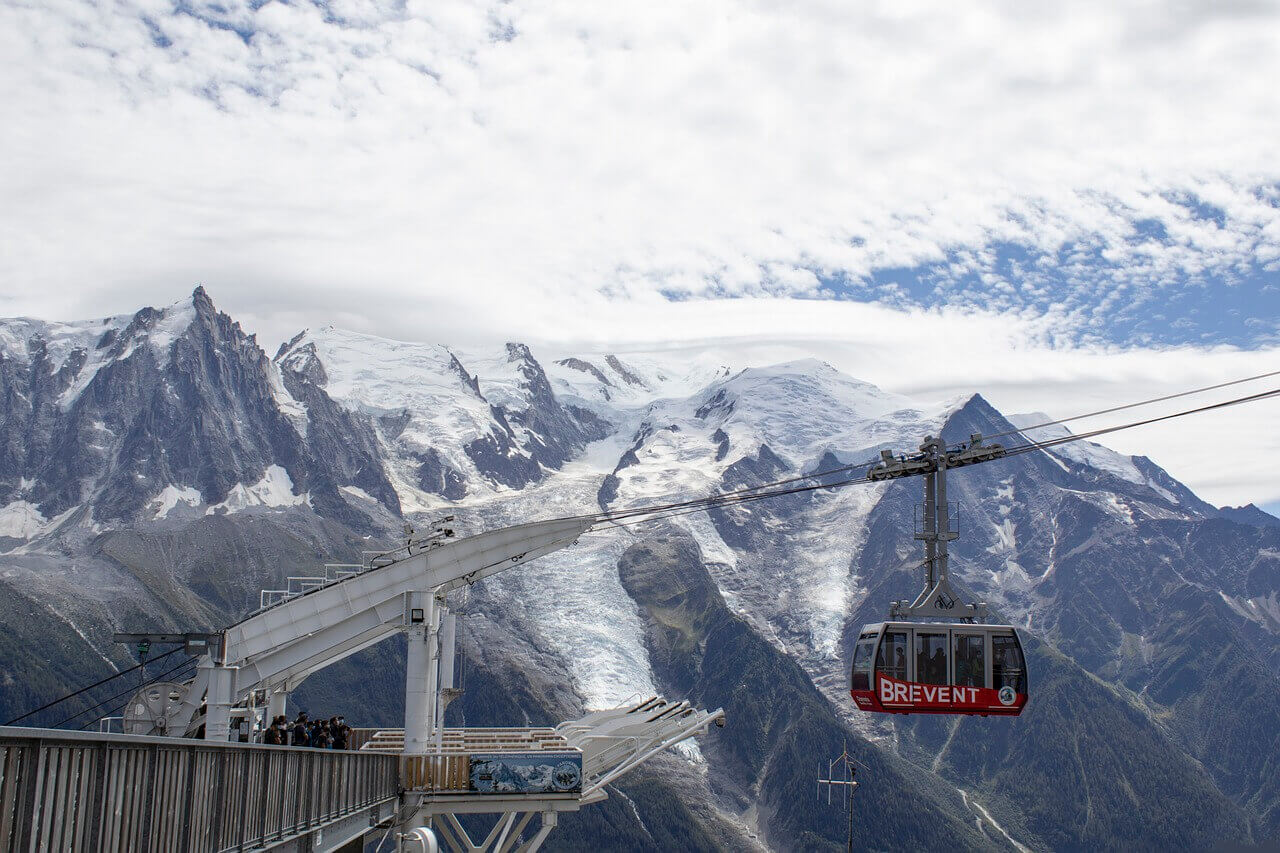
(526, 772)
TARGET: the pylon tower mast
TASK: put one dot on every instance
(936, 527)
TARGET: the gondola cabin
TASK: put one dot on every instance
(939, 668)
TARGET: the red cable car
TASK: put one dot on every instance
(939, 668)
(929, 667)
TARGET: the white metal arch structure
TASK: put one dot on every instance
(616, 740)
(278, 647)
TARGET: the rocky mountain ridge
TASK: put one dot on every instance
(159, 469)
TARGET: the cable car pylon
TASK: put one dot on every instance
(937, 599)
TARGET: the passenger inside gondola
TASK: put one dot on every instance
(862, 656)
(1006, 664)
(970, 667)
(893, 655)
(931, 658)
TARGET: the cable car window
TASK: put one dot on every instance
(1006, 664)
(892, 660)
(931, 658)
(969, 653)
(862, 656)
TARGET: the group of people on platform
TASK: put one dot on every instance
(333, 733)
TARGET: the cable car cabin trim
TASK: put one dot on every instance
(894, 671)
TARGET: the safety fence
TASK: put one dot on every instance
(74, 791)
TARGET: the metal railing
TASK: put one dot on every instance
(296, 585)
(62, 790)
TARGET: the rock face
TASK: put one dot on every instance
(158, 470)
(169, 406)
(443, 429)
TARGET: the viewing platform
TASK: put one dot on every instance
(181, 781)
(71, 791)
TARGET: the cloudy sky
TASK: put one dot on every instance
(1058, 205)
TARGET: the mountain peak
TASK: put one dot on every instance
(1249, 514)
(201, 301)
(973, 415)
(517, 351)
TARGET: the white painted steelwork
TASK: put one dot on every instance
(278, 647)
(615, 741)
(319, 621)
(611, 741)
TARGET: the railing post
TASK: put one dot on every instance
(297, 757)
(34, 767)
(284, 784)
(144, 841)
(217, 795)
(326, 786)
(191, 755)
(311, 790)
(93, 840)
(244, 802)
(262, 794)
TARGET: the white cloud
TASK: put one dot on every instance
(711, 147)
(554, 171)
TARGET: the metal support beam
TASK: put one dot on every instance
(194, 643)
(449, 566)
(218, 700)
(421, 621)
(506, 823)
(549, 820)
(510, 842)
(277, 704)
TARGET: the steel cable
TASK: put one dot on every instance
(130, 691)
(118, 708)
(1136, 405)
(90, 687)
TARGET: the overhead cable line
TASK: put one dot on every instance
(698, 504)
(720, 496)
(128, 692)
(120, 707)
(1067, 439)
(1136, 405)
(766, 491)
(90, 687)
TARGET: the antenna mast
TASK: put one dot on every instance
(844, 765)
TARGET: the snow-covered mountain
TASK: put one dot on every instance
(160, 469)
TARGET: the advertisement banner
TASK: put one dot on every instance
(526, 772)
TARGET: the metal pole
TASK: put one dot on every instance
(849, 797)
(930, 530)
(419, 677)
(943, 523)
